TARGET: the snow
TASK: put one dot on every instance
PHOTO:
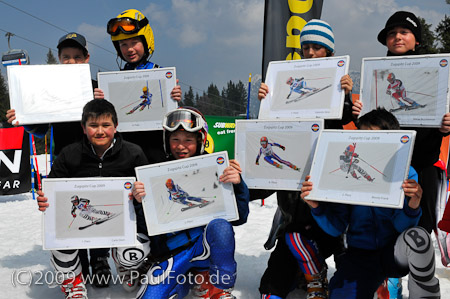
(25, 267)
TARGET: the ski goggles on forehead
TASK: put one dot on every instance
(190, 120)
(125, 25)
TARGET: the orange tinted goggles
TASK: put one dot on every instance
(125, 25)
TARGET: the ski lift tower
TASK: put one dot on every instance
(14, 56)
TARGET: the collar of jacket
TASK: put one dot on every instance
(141, 65)
(410, 52)
(114, 148)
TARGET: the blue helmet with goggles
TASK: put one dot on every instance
(188, 119)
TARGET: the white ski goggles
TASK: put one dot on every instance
(190, 120)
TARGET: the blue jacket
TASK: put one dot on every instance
(166, 245)
(369, 228)
(146, 65)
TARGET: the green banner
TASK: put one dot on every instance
(221, 134)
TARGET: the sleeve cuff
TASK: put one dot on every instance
(318, 211)
(410, 212)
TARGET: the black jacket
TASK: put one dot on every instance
(79, 160)
(347, 115)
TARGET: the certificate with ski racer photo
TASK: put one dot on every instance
(276, 154)
(186, 193)
(414, 88)
(49, 93)
(305, 88)
(141, 97)
(362, 167)
(88, 213)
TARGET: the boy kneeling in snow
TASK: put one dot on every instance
(382, 242)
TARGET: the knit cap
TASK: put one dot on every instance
(402, 19)
(318, 32)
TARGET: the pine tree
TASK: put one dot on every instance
(241, 99)
(236, 98)
(428, 44)
(443, 34)
(189, 97)
(50, 58)
(4, 99)
(202, 104)
(226, 96)
(197, 98)
(216, 103)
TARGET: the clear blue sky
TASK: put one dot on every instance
(207, 41)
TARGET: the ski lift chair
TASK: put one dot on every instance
(15, 57)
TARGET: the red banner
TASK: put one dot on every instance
(15, 176)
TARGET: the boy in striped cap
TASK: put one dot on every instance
(302, 245)
(317, 39)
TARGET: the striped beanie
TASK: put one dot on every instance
(318, 32)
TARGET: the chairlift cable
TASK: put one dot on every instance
(47, 47)
(55, 26)
(113, 53)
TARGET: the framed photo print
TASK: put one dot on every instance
(49, 93)
(276, 154)
(414, 88)
(305, 88)
(88, 213)
(362, 167)
(186, 193)
(141, 97)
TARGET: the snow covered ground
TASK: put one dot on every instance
(24, 266)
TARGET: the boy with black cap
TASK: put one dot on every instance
(72, 49)
(401, 35)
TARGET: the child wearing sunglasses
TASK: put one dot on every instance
(201, 256)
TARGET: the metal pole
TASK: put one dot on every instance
(248, 94)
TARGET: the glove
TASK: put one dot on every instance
(74, 215)
(356, 161)
(283, 147)
(388, 92)
(257, 163)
